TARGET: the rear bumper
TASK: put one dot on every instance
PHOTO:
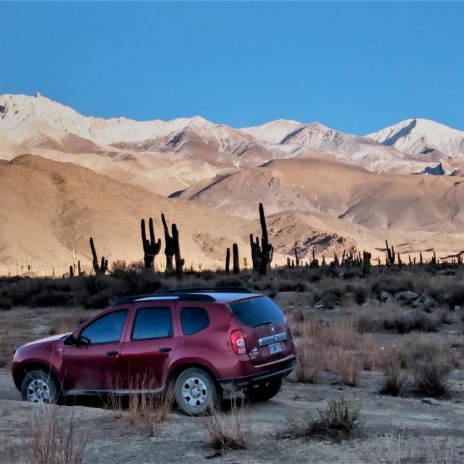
(240, 383)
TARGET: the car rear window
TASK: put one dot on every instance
(152, 323)
(257, 311)
(193, 320)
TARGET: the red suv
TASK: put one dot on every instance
(203, 342)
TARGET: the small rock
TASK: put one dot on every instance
(457, 308)
(390, 300)
(456, 374)
(407, 296)
(384, 295)
(431, 401)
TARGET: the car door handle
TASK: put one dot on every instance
(165, 350)
(113, 353)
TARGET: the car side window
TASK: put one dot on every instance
(193, 320)
(107, 329)
(152, 323)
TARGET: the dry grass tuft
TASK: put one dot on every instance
(232, 434)
(67, 321)
(51, 440)
(398, 449)
(340, 420)
(148, 406)
(338, 348)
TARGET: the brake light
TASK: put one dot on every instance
(237, 340)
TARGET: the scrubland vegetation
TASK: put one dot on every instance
(403, 327)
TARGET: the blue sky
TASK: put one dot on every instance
(354, 66)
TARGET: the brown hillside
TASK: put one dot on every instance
(48, 209)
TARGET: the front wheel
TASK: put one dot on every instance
(196, 392)
(265, 392)
(39, 387)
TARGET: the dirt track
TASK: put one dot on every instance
(183, 438)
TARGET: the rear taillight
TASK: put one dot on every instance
(237, 340)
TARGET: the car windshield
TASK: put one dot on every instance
(257, 311)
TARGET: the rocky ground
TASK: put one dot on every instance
(393, 430)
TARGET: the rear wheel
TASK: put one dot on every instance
(196, 392)
(39, 387)
(265, 392)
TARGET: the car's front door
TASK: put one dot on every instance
(92, 364)
(149, 347)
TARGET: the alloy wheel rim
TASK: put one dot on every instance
(38, 391)
(195, 392)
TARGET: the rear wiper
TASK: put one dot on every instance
(263, 323)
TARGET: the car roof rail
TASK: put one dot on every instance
(223, 289)
(181, 294)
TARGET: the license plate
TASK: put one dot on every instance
(274, 348)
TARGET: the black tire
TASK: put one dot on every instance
(39, 387)
(196, 393)
(264, 392)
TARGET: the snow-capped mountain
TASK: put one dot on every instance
(422, 138)
(347, 148)
(40, 123)
(22, 111)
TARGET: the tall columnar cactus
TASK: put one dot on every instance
(150, 247)
(267, 249)
(255, 252)
(366, 263)
(297, 260)
(228, 260)
(175, 242)
(98, 268)
(169, 246)
(236, 259)
(390, 254)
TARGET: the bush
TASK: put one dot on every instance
(233, 434)
(340, 420)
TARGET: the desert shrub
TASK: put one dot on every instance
(292, 286)
(455, 295)
(50, 298)
(98, 301)
(48, 439)
(231, 281)
(394, 377)
(340, 420)
(429, 363)
(5, 303)
(149, 409)
(347, 365)
(310, 362)
(396, 448)
(232, 434)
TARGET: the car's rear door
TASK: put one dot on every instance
(151, 342)
(265, 328)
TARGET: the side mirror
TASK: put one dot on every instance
(70, 340)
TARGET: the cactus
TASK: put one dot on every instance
(178, 259)
(103, 267)
(71, 271)
(255, 252)
(314, 262)
(236, 260)
(390, 254)
(150, 247)
(297, 260)
(228, 260)
(169, 246)
(366, 263)
(267, 249)
(399, 261)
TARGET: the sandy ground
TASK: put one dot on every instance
(183, 438)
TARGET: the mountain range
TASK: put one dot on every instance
(322, 189)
